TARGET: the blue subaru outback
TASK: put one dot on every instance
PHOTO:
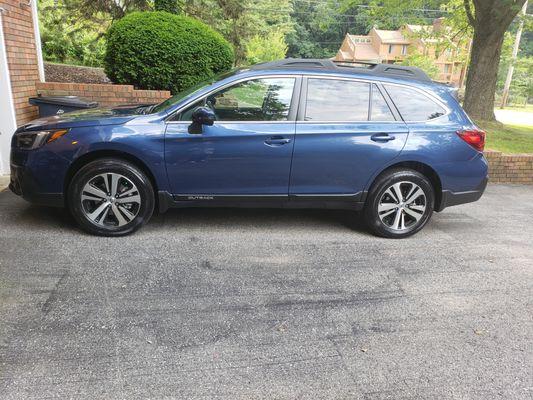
(383, 139)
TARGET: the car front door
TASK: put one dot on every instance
(346, 131)
(246, 152)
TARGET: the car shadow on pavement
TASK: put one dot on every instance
(28, 216)
(249, 218)
(40, 217)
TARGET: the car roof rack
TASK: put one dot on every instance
(359, 67)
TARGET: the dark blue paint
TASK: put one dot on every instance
(337, 158)
(240, 158)
(291, 158)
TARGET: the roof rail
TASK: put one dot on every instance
(362, 67)
(296, 63)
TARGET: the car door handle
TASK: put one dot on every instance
(277, 141)
(382, 137)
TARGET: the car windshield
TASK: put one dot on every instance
(191, 90)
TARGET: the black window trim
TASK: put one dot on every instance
(303, 101)
(398, 117)
(392, 108)
(293, 110)
(430, 96)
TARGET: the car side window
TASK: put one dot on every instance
(265, 99)
(186, 115)
(380, 110)
(336, 100)
(414, 105)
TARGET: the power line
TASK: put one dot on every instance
(338, 15)
(369, 7)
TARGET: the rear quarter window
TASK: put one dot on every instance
(414, 105)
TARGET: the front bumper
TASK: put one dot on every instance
(23, 184)
(450, 198)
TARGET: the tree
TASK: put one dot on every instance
(105, 10)
(425, 63)
(392, 14)
(237, 20)
(487, 19)
(320, 27)
(266, 48)
(490, 19)
(170, 6)
(243, 19)
(522, 84)
(66, 39)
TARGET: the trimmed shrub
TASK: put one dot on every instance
(159, 50)
(170, 6)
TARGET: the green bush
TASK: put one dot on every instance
(159, 50)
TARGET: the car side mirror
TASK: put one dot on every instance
(201, 116)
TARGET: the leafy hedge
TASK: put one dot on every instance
(159, 50)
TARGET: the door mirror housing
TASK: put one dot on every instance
(201, 116)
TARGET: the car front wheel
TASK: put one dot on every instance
(399, 204)
(111, 197)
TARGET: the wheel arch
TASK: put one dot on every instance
(98, 154)
(425, 170)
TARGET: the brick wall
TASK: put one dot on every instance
(510, 168)
(21, 56)
(105, 95)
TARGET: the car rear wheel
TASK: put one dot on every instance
(111, 197)
(399, 204)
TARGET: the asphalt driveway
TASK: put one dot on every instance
(269, 304)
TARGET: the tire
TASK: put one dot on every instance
(387, 216)
(110, 197)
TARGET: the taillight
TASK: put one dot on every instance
(474, 137)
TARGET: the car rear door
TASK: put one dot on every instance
(347, 129)
(248, 150)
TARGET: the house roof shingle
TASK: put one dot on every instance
(393, 37)
(366, 52)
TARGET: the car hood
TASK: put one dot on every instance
(90, 117)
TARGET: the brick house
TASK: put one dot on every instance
(21, 67)
(382, 46)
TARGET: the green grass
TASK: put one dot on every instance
(508, 138)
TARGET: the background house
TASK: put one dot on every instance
(383, 46)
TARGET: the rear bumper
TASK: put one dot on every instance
(450, 198)
(23, 184)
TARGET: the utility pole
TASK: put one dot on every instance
(505, 94)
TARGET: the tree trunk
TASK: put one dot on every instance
(483, 75)
(491, 20)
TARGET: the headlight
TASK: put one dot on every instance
(34, 140)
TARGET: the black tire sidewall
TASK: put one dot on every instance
(98, 167)
(373, 221)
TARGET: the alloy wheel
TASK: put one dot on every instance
(110, 200)
(402, 205)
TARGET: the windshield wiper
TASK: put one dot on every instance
(147, 109)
